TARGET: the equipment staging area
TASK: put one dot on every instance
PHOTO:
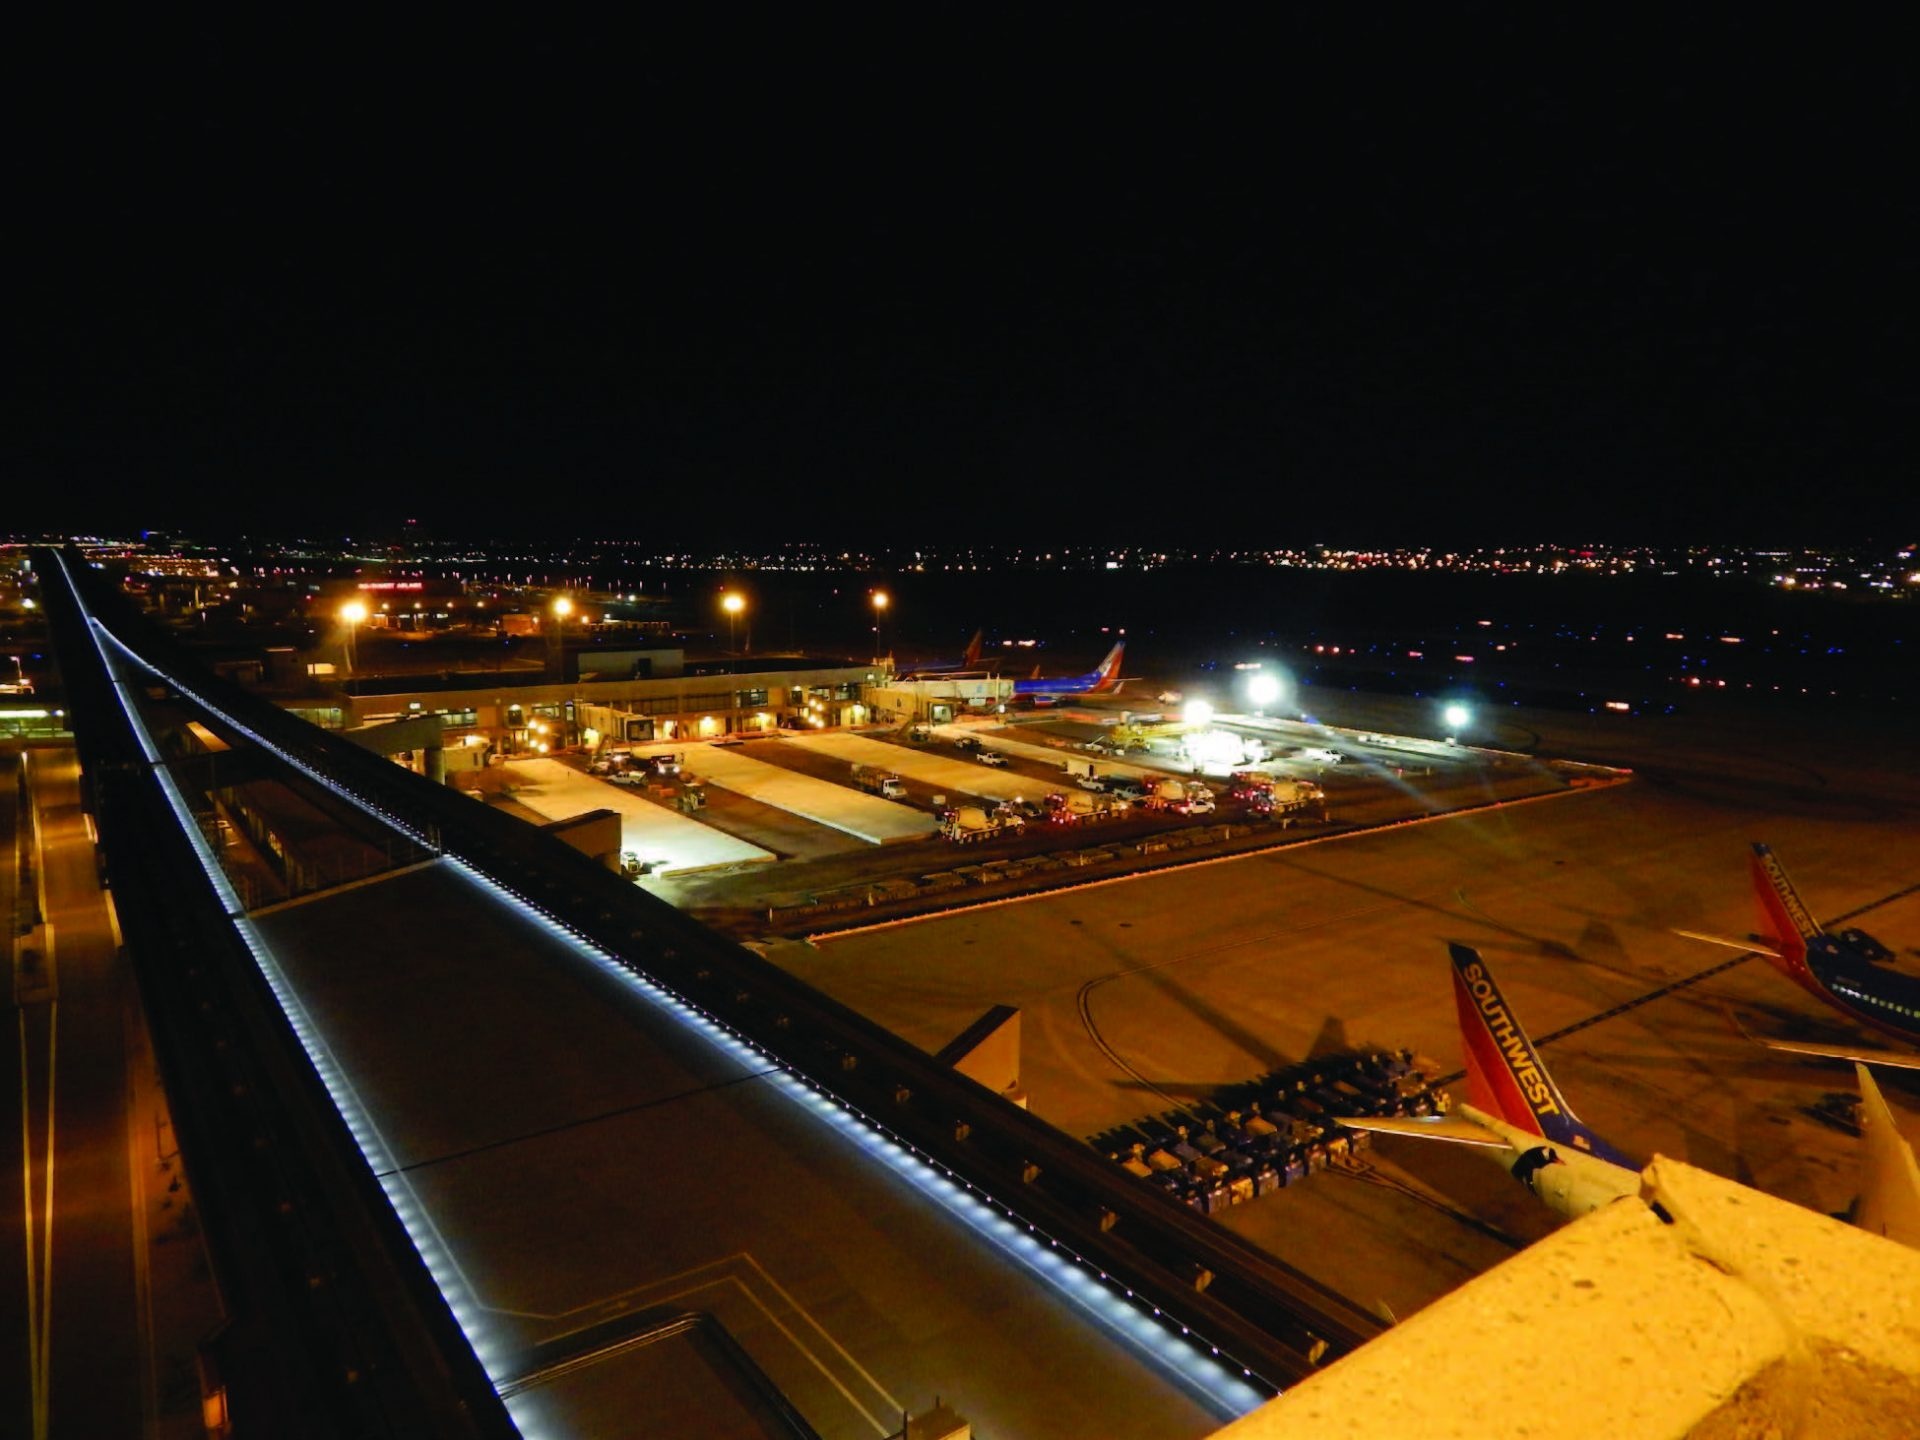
(583, 1161)
(1145, 993)
(1142, 993)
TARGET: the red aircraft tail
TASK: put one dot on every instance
(1785, 922)
(1506, 1077)
(1107, 677)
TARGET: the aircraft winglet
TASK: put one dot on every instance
(1889, 1202)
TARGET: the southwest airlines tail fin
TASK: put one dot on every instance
(970, 658)
(1505, 1075)
(1785, 922)
(1107, 676)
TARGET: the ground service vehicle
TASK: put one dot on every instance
(1185, 797)
(1246, 784)
(682, 792)
(1199, 801)
(966, 742)
(990, 757)
(965, 824)
(875, 781)
(1275, 795)
(1070, 807)
(1140, 734)
(1077, 767)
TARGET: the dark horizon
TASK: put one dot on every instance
(1461, 278)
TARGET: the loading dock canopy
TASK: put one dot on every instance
(853, 812)
(651, 831)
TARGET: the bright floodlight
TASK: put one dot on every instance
(1216, 752)
(354, 611)
(881, 599)
(1456, 716)
(562, 606)
(732, 604)
(1197, 712)
(1263, 690)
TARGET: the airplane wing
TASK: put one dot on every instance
(1871, 1055)
(1759, 947)
(1889, 1202)
(1855, 1053)
(1457, 1128)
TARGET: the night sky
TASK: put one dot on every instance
(1435, 274)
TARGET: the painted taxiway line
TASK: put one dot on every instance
(820, 938)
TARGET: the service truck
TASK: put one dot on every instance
(875, 781)
(964, 824)
(1071, 807)
(1185, 797)
(1275, 794)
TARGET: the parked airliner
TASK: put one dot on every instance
(969, 663)
(1104, 679)
(1518, 1118)
(1515, 1113)
(1848, 969)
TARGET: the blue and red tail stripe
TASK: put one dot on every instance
(1785, 922)
(1505, 1075)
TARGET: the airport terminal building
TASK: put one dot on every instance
(649, 696)
(639, 697)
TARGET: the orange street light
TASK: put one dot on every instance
(733, 603)
(352, 614)
(880, 600)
